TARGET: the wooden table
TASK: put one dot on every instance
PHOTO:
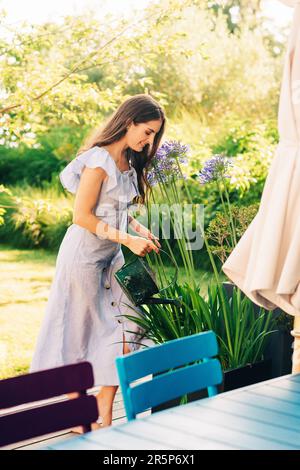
(261, 416)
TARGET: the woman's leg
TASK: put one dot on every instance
(107, 394)
(105, 399)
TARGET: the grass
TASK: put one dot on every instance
(25, 279)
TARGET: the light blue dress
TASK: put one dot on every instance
(82, 321)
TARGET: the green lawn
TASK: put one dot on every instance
(25, 279)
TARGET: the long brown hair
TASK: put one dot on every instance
(138, 109)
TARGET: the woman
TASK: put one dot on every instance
(82, 320)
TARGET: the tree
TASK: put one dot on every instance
(78, 71)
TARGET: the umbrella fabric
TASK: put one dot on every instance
(265, 264)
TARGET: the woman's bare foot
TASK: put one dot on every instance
(105, 408)
(79, 429)
(105, 399)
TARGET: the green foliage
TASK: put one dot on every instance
(62, 142)
(219, 231)
(252, 147)
(6, 202)
(241, 332)
(38, 220)
(28, 166)
(76, 73)
(239, 136)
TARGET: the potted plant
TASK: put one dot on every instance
(279, 348)
(223, 232)
(280, 345)
(242, 334)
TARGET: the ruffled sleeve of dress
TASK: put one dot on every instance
(92, 158)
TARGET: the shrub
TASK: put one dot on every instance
(38, 220)
(219, 232)
(28, 166)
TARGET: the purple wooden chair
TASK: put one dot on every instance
(40, 418)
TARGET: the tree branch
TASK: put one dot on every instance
(76, 67)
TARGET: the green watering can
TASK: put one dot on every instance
(137, 280)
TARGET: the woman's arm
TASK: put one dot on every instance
(143, 231)
(86, 198)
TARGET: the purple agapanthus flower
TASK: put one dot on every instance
(215, 168)
(164, 165)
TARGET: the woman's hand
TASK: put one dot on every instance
(155, 239)
(142, 230)
(141, 246)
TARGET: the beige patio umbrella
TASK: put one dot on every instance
(265, 263)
